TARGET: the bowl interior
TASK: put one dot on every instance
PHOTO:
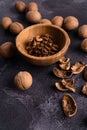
(57, 33)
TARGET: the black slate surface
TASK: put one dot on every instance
(39, 108)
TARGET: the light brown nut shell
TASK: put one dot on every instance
(33, 16)
(5, 22)
(84, 89)
(16, 28)
(69, 105)
(84, 45)
(60, 86)
(71, 22)
(23, 80)
(32, 6)
(78, 67)
(82, 31)
(20, 6)
(7, 50)
(69, 84)
(65, 66)
(57, 20)
(61, 73)
(45, 21)
(64, 60)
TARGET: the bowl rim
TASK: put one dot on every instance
(62, 51)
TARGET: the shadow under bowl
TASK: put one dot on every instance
(59, 35)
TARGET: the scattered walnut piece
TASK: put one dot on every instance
(62, 73)
(65, 66)
(78, 67)
(64, 60)
(84, 89)
(64, 63)
(69, 105)
(69, 84)
(60, 86)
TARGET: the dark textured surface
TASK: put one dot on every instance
(39, 108)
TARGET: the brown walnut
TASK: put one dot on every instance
(16, 28)
(23, 80)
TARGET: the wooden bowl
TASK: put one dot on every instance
(59, 35)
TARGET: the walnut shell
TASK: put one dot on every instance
(62, 73)
(84, 45)
(71, 23)
(23, 80)
(20, 6)
(69, 105)
(60, 86)
(57, 20)
(78, 67)
(16, 28)
(45, 21)
(32, 6)
(84, 89)
(82, 31)
(69, 84)
(7, 50)
(5, 22)
(33, 16)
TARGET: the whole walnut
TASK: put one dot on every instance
(71, 23)
(45, 21)
(20, 6)
(7, 50)
(84, 45)
(32, 6)
(5, 22)
(57, 20)
(23, 80)
(82, 31)
(16, 28)
(33, 16)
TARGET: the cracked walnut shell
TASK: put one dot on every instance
(69, 105)
(78, 67)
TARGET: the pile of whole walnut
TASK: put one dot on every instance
(23, 80)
